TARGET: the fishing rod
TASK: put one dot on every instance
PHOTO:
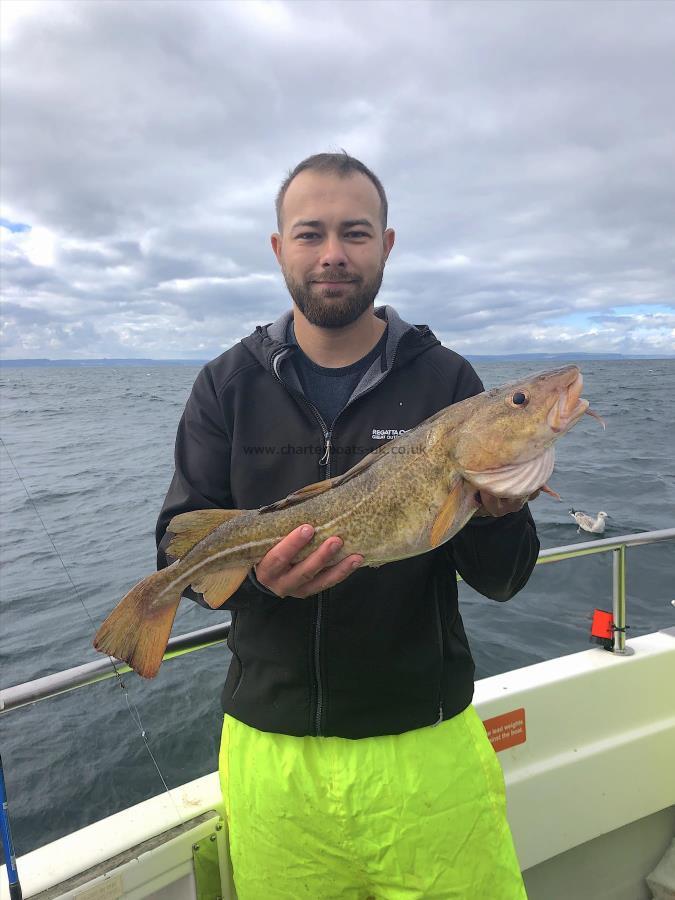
(7, 845)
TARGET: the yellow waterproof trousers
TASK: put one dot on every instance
(417, 815)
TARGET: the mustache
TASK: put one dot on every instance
(336, 276)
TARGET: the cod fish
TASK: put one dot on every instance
(407, 497)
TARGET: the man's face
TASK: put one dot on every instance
(332, 249)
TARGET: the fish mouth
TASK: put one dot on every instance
(569, 406)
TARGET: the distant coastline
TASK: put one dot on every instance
(131, 361)
(134, 361)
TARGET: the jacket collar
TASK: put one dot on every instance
(269, 345)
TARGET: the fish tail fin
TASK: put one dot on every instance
(138, 629)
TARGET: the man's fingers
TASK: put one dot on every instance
(280, 558)
(501, 506)
(279, 572)
(303, 573)
(329, 576)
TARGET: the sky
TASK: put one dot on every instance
(527, 150)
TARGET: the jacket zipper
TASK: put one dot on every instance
(441, 644)
(323, 595)
(322, 598)
(325, 459)
(321, 602)
(438, 609)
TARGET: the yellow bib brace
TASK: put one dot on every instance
(416, 815)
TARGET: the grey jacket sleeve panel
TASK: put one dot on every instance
(201, 479)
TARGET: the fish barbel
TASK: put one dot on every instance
(407, 497)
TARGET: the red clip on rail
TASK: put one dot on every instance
(602, 629)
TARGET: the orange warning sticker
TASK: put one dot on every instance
(506, 730)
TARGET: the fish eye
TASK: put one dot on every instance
(519, 399)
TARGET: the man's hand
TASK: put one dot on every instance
(279, 572)
(500, 506)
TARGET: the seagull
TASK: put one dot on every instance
(588, 523)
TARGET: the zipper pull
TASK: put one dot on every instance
(440, 716)
(326, 454)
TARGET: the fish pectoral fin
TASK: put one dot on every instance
(448, 514)
(192, 527)
(219, 586)
(318, 487)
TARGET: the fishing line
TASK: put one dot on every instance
(133, 710)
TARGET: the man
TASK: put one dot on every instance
(352, 761)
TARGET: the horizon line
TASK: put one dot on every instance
(203, 359)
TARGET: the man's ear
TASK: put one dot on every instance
(388, 239)
(276, 245)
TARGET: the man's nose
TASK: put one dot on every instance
(333, 253)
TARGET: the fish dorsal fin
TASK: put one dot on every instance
(361, 466)
(219, 586)
(318, 487)
(303, 493)
(192, 527)
(447, 515)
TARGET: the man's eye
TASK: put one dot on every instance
(307, 235)
(357, 234)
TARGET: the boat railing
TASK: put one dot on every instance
(101, 669)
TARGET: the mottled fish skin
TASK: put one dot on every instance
(384, 513)
(387, 511)
(405, 498)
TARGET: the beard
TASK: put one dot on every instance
(330, 308)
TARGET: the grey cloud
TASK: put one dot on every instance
(22, 315)
(533, 140)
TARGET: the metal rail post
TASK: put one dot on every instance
(619, 601)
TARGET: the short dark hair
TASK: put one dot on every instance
(341, 164)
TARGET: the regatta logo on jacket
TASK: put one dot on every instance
(387, 434)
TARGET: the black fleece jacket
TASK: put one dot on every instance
(384, 651)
